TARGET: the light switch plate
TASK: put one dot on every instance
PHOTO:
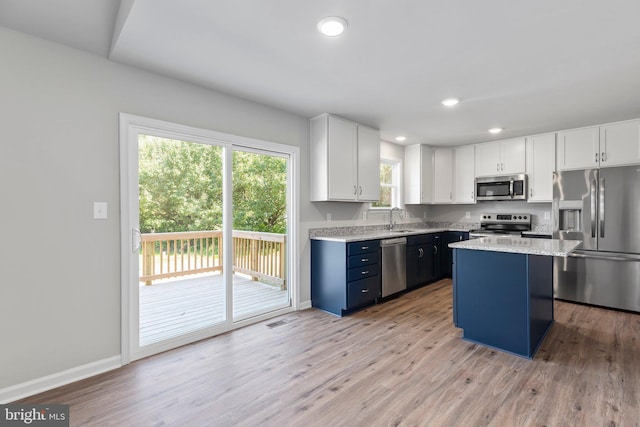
(467, 215)
(547, 215)
(99, 210)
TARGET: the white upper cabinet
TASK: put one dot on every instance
(443, 175)
(541, 162)
(505, 157)
(464, 174)
(612, 144)
(345, 161)
(368, 182)
(578, 148)
(418, 174)
(620, 143)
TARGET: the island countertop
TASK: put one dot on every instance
(520, 245)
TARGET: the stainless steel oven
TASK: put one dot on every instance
(492, 224)
(513, 187)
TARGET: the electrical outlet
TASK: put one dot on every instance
(547, 215)
(328, 217)
(364, 215)
(467, 215)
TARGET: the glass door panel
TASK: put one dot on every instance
(181, 283)
(259, 182)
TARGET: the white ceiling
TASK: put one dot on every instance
(528, 67)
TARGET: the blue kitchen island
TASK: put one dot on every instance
(503, 290)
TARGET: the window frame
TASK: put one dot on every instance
(395, 185)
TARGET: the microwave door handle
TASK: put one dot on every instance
(601, 206)
(593, 208)
(511, 188)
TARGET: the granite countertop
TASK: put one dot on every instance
(379, 234)
(520, 245)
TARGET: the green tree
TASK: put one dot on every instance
(181, 188)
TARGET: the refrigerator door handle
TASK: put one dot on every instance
(617, 257)
(601, 206)
(593, 208)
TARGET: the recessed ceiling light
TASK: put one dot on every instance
(450, 102)
(332, 26)
(401, 138)
(495, 130)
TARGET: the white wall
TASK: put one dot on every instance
(60, 269)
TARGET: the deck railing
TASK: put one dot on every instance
(259, 255)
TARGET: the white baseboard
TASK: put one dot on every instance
(38, 385)
(303, 305)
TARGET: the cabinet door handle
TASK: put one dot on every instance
(360, 190)
(364, 248)
(420, 252)
(355, 190)
(435, 249)
(603, 157)
(497, 167)
(472, 195)
(364, 260)
(596, 157)
(501, 166)
(365, 272)
(531, 192)
(364, 291)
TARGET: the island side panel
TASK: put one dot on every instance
(328, 276)
(541, 298)
(492, 299)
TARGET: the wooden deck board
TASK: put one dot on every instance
(175, 307)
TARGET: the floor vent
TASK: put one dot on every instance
(278, 323)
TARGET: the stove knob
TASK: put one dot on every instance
(525, 217)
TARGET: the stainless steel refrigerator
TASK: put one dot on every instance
(601, 207)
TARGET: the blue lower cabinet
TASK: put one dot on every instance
(503, 300)
(345, 276)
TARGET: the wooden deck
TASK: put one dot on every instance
(179, 306)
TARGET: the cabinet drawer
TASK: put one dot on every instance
(362, 292)
(362, 272)
(361, 260)
(356, 248)
(419, 239)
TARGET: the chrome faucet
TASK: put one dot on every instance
(391, 222)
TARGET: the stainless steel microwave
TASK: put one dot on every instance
(513, 187)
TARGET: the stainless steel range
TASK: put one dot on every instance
(502, 223)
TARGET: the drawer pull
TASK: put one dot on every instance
(364, 291)
(365, 272)
(364, 248)
(364, 260)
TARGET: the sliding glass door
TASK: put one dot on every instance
(210, 231)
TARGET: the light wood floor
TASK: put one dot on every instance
(398, 363)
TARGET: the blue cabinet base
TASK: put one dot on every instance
(503, 300)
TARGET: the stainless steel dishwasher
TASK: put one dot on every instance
(394, 267)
